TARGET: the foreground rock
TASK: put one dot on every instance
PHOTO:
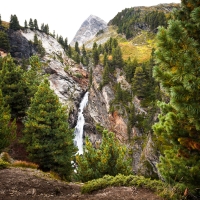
(23, 184)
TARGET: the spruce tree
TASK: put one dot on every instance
(25, 24)
(4, 41)
(139, 82)
(83, 51)
(7, 128)
(77, 47)
(31, 25)
(47, 134)
(13, 87)
(178, 71)
(35, 24)
(117, 60)
(105, 75)
(0, 21)
(14, 23)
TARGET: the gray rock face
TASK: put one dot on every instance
(89, 28)
(20, 46)
(65, 84)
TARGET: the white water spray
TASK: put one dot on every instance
(78, 140)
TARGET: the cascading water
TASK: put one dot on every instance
(78, 140)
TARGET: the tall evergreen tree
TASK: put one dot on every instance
(139, 82)
(95, 54)
(7, 128)
(4, 41)
(0, 21)
(117, 59)
(25, 24)
(83, 51)
(13, 87)
(47, 134)
(35, 24)
(105, 76)
(31, 25)
(178, 71)
(77, 47)
(14, 23)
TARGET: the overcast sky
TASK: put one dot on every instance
(66, 16)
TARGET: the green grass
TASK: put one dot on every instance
(162, 189)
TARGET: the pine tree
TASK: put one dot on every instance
(117, 59)
(109, 157)
(95, 54)
(31, 25)
(4, 41)
(69, 52)
(47, 134)
(83, 51)
(139, 82)
(7, 128)
(14, 23)
(36, 41)
(13, 87)
(105, 76)
(77, 47)
(66, 44)
(25, 24)
(0, 21)
(35, 24)
(177, 70)
(129, 68)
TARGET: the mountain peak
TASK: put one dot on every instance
(89, 28)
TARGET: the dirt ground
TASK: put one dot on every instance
(23, 184)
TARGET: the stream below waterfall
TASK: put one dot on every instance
(78, 140)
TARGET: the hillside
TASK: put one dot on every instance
(23, 184)
(128, 99)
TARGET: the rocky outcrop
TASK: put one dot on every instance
(89, 28)
(62, 72)
(20, 47)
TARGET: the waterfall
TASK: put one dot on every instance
(78, 140)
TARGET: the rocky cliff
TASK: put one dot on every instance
(141, 145)
(89, 28)
(61, 69)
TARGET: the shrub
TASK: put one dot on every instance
(3, 164)
(25, 164)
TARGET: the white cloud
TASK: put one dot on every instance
(66, 16)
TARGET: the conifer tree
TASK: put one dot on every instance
(35, 39)
(14, 23)
(13, 87)
(35, 24)
(25, 24)
(105, 76)
(31, 25)
(109, 157)
(69, 52)
(139, 82)
(47, 134)
(117, 60)
(66, 44)
(95, 54)
(77, 47)
(4, 41)
(0, 21)
(177, 70)
(7, 128)
(83, 51)
(129, 69)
